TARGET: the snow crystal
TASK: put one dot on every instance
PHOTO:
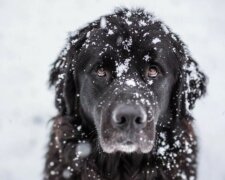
(150, 82)
(83, 149)
(165, 28)
(193, 69)
(103, 23)
(177, 143)
(88, 34)
(128, 22)
(110, 32)
(78, 128)
(130, 82)
(162, 150)
(145, 34)
(59, 100)
(174, 37)
(52, 172)
(188, 148)
(145, 101)
(122, 67)
(74, 41)
(189, 160)
(156, 40)
(66, 174)
(142, 23)
(119, 40)
(127, 44)
(137, 95)
(174, 49)
(51, 163)
(162, 135)
(147, 58)
(128, 14)
(183, 176)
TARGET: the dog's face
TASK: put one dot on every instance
(126, 73)
(125, 81)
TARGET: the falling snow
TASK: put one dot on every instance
(28, 117)
(83, 149)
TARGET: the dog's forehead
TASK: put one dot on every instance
(129, 47)
(130, 37)
(126, 37)
(129, 34)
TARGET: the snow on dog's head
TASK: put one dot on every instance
(134, 75)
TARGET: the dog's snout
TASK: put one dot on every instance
(127, 116)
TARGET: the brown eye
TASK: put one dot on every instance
(153, 71)
(101, 72)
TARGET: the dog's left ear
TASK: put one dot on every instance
(194, 82)
(191, 85)
(191, 81)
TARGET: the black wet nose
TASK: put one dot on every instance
(127, 116)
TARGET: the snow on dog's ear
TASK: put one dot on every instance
(194, 82)
(191, 84)
(63, 73)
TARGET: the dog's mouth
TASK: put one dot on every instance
(127, 148)
(119, 142)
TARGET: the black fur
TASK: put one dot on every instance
(174, 152)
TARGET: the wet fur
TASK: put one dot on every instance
(178, 160)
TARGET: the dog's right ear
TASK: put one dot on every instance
(63, 73)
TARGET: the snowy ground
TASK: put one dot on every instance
(32, 32)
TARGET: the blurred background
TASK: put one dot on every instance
(32, 32)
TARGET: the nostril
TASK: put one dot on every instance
(138, 120)
(121, 120)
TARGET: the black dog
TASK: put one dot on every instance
(124, 87)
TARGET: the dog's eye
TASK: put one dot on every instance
(101, 72)
(153, 71)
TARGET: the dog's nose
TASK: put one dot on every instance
(125, 116)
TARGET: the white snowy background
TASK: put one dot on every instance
(32, 32)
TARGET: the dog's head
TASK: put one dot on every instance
(124, 75)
